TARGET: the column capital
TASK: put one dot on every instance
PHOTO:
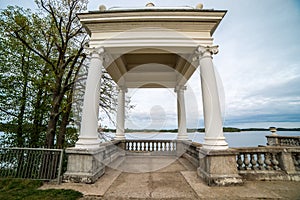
(180, 88)
(205, 51)
(94, 50)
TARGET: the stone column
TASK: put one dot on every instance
(182, 131)
(88, 137)
(120, 129)
(214, 138)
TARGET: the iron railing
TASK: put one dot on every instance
(31, 163)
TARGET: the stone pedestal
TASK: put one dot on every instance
(218, 168)
(84, 165)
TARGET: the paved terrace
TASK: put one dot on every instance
(165, 177)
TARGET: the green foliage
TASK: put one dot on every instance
(12, 189)
(41, 61)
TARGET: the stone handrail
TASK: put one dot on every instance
(278, 140)
(189, 150)
(268, 163)
(258, 159)
(113, 149)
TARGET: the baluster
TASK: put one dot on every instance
(239, 162)
(146, 146)
(246, 161)
(253, 161)
(138, 146)
(268, 161)
(150, 146)
(153, 148)
(166, 146)
(175, 146)
(134, 146)
(275, 162)
(158, 146)
(296, 159)
(130, 146)
(171, 146)
(260, 161)
(142, 146)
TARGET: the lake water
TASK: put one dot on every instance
(235, 139)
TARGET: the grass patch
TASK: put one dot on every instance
(13, 189)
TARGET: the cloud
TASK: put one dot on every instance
(258, 63)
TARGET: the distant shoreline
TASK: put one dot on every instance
(192, 130)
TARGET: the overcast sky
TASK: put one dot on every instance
(258, 65)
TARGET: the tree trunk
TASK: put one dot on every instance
(23, 99)
(34, 135)
(51, 129)
(57, 98)
(65, 121)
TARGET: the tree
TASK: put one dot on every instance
(54, 41)
(22, 78)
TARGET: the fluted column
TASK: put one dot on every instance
(120, 129)
(214, 137)
(181, 113)
(88, 137)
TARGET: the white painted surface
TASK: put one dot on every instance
(182, 131)
(120, 129)
(214, 137)
(88, 137)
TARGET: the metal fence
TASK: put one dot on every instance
(31, 163)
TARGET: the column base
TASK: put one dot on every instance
(84, 165)
(218, 143)
(87, 143)
(218, 168)
(182, 137)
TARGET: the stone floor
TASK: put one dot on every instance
(171, 178)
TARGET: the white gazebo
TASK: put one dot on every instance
(149, 47)
(152, 48)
